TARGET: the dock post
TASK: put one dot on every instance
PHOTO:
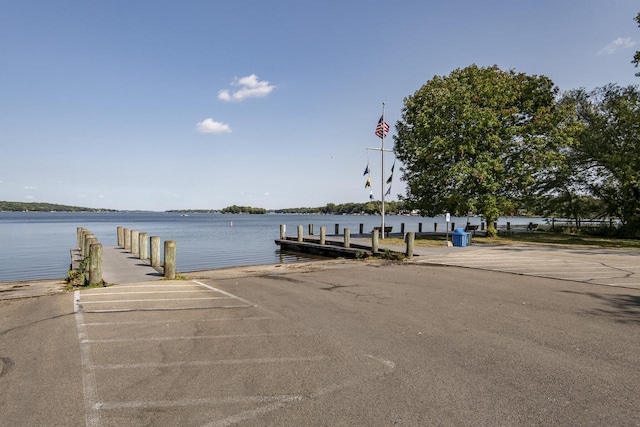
(411, 237)
(337, 229)
(155, 251)
(435, 227)
(169, 259)
(453, 226)
(95, 263)
(120, 235)
(323, 234)
(143, 253)
(87, 242)
(300, 234)
(347, 237)
(374, 241)
(127, 239)
(310, 229)
(419, 227)
(283, 231)
(79, 231)
(361, 228)
(402, 228)
(135, 242)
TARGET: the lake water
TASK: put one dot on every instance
(35, 245)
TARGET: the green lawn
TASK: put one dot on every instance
(534, 238)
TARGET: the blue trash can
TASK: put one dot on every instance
(459, 237)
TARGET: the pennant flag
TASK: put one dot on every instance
(366, 171)
(371, 195)
(382, 129)
(390, 179)
(388, 191)
(392, 167)
(368, 183)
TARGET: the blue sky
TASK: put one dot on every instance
(157, 105)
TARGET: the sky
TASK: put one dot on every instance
(159, 105)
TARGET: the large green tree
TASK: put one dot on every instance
(476, 140)
(609, 148)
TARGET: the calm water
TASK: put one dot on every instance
(35, 245)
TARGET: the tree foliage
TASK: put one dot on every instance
(476, 140)
(636, 57)
(609, 149)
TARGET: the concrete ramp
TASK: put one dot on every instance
(120, 266)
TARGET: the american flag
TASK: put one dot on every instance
(382, 129)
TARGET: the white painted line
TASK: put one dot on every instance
(191, 337)
(90, 387)
(153, 300)
(224, 293)
(150, 322)
(196, 402)
(128, 310)
(234, 419)
(211, 363)
(139, 293)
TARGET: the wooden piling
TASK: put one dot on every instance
(337, 229)
(169, 259)
(127, 239)
(155, 251)
(135, 242)
(361, 228)
(402, 228)
(310, 229)
(120, 234)
(323, 235)
(95, 263)
(283, 231)
(419, 227)
(87, 242)
(374, 241)
(411, 237)
(143, 252)
(300, 234)
(435, 227)
(347, 238)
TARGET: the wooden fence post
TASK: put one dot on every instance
(374, 241)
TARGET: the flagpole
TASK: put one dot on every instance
(382, 176)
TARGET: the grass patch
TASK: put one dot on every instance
(535, 238)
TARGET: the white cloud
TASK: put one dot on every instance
(619, 43)
(30, 187)
(211, 126)
(250, 87)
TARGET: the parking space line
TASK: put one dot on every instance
(225, 293)
(198, 337)
(197, 402)
(152, 300)
(150, 322)
(211, 363)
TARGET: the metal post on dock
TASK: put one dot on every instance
(435, 227)
(419, 227)
(300, 234)
(135, 242)
(323, 235)
(361, 228)
(453, 226)
(402, 228)
(347, 237)
(374, 241)
(337, 229)
(411, 237)
(169, 259)
(95, 263)
(143, 252)
(155, 251)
